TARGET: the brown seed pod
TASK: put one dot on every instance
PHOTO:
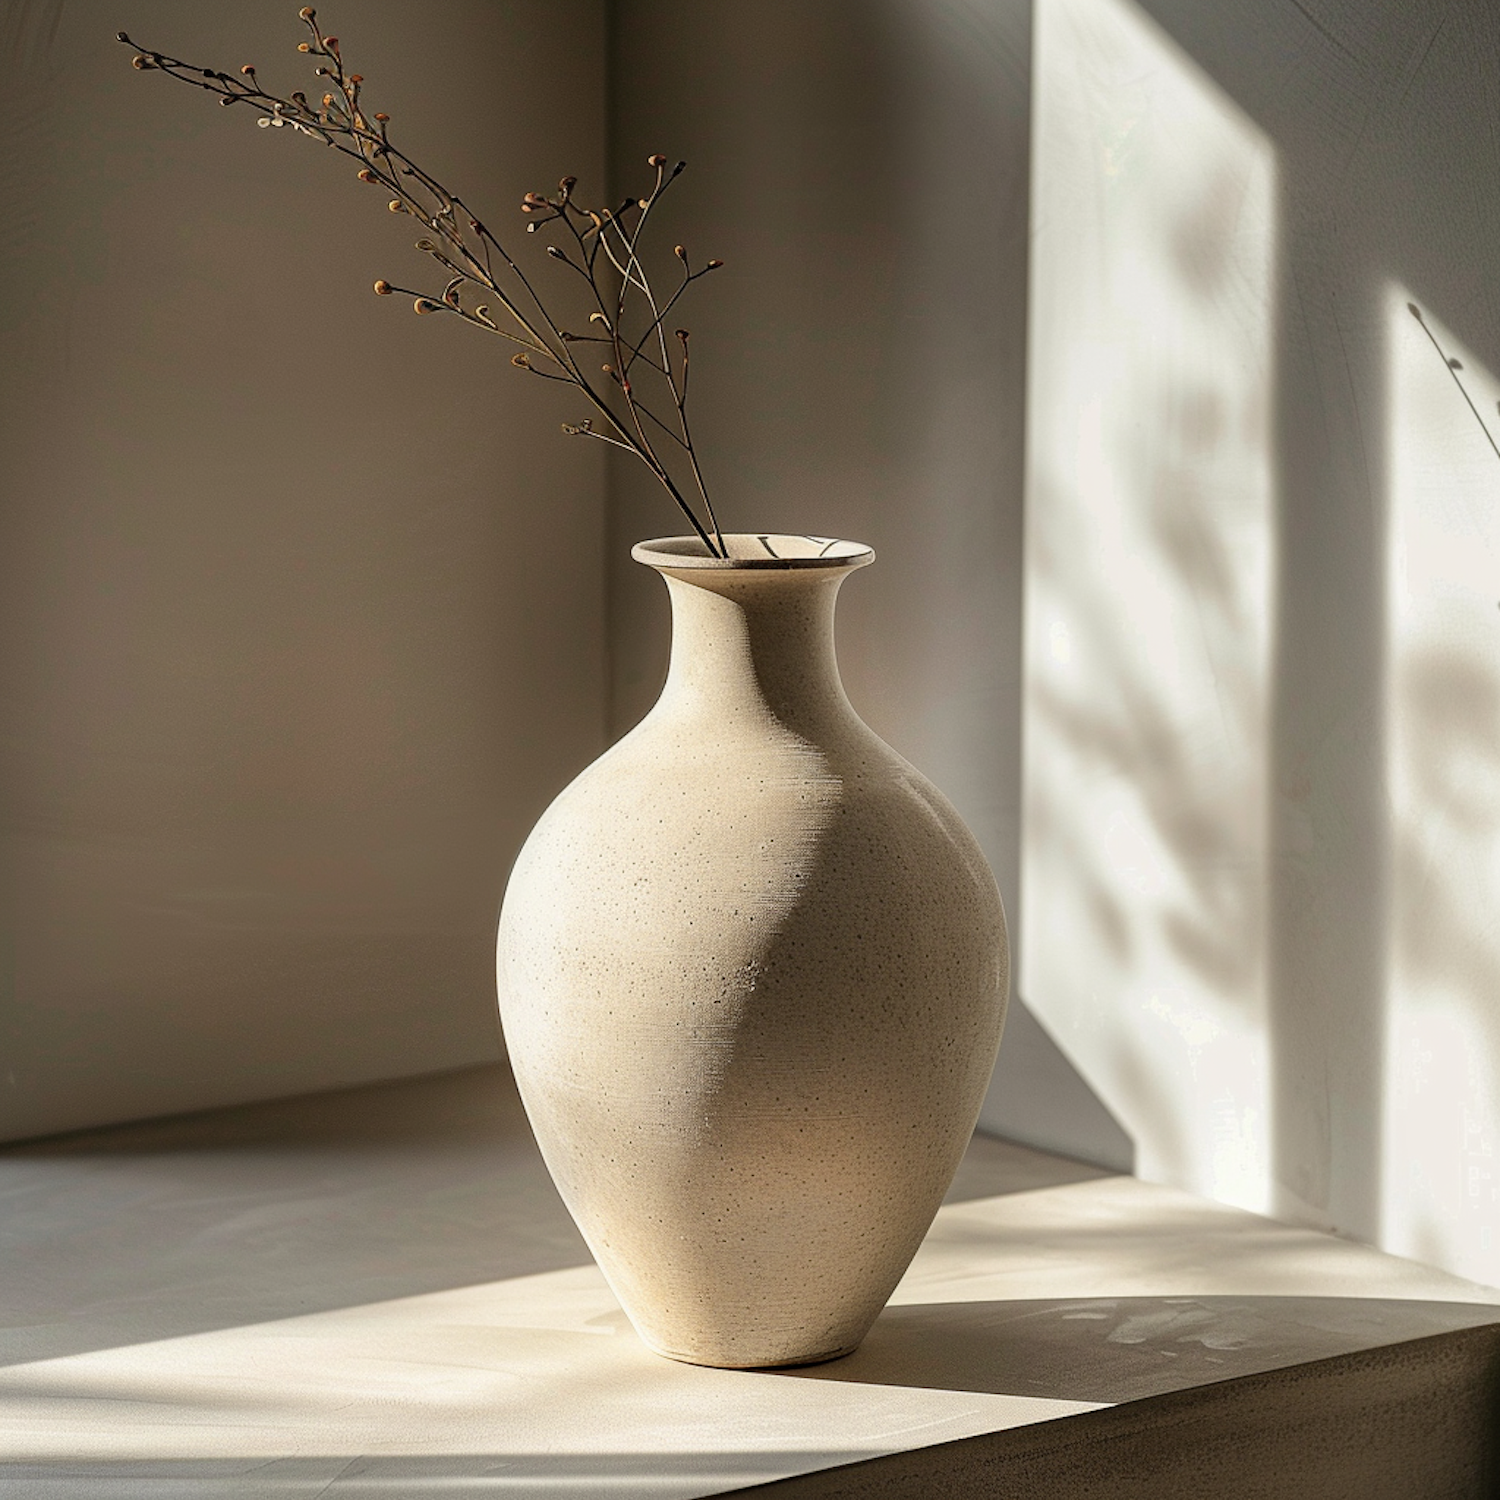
(382, 288)
(366, 175)
(656, 160)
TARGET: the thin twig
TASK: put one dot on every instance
(468, 253)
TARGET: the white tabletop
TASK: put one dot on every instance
(378, 1293)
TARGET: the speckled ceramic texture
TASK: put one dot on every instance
(752, 973)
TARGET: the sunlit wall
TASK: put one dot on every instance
(1441, 1123)
(1149, 591)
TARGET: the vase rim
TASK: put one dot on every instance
(757, 550)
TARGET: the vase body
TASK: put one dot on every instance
(752, 973)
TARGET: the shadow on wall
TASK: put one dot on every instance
(1148, 593)
(1442, 1076)
(1346, 913)
(1382, 117)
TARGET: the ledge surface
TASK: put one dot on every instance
(378, 1292)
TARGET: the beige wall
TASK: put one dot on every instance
(300, 595)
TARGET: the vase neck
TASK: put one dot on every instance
(759, 646)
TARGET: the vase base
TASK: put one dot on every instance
(795, 1362)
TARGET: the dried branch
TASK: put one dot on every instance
(480, 273)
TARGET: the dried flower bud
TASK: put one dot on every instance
(520, 361)
(656, 160)
(680, 251)
(141, 63)
(331, 42)
(396, 206)
(327, 100)
(608, 369)
(1414, 310)
(568, 184)
(382, 118)
(304, 46)
(555, 253)
(598, 317)
(382, 288)
(426, 305)
(307, 12)
(121, 37)
(366, 175)
(713, 265)
(682, 335)
(356, 78)
(248, 70)
(643, 203)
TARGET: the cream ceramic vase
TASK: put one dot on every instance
(752, 973)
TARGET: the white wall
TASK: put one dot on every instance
(300, 595)
(1149, 592)
(1262, 627)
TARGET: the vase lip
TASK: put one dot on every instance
(755, 550)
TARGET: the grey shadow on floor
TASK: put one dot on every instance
(1122, 1349)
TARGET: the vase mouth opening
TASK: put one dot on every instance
(758, 550)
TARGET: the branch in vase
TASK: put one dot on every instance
(480, 273)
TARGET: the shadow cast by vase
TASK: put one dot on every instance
(1120, 1349)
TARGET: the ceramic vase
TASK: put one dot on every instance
(752, 973)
